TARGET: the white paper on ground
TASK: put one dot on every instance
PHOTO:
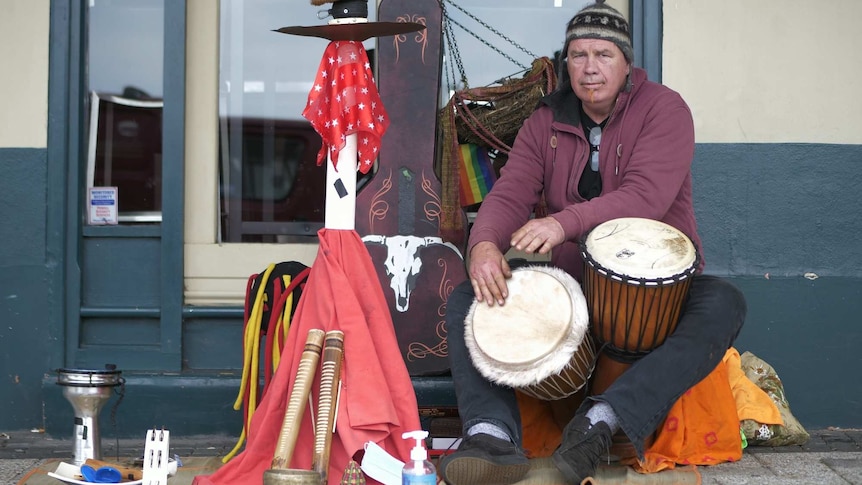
(380, 465)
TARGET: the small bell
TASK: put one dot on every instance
(353, 475)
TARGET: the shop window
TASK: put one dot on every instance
(124, 78)
(125, 151)
(271, 188)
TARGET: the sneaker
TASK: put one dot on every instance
(582, 447)
(482, 459)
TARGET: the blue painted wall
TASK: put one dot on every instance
(781, 209)
(27, 326)
(783, 220)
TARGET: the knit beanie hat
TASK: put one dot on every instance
(600, 21)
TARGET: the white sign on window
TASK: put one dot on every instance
(102, 204)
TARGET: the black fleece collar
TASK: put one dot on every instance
(565, 105)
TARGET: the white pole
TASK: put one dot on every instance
(341, 188)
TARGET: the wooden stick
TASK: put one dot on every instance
(297, 401)
(330, 375)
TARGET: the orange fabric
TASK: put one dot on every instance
(752, 402)
(540, 432)
(702, 428)
(377, 401)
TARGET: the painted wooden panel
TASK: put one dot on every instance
(398, 211)
(121, 272)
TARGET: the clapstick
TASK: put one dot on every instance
(297, 401)
(327, 406)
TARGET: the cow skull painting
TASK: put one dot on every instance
(403, 262)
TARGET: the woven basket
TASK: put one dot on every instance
(491, 116)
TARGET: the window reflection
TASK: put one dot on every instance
(125, 66)
(271, 187)
(126, 152)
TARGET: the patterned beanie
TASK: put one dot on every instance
(600, 21)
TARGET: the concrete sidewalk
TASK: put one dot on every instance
(831, 456)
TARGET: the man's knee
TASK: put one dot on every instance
(458, 305)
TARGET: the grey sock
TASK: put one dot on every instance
(602, 411)
(488, 428)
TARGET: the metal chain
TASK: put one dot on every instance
(488, 44)
(454, 53)
(492, 29)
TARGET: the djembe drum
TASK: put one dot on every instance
(636, 279)
(637, 273)
(538, 341)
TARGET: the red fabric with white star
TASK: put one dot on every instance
(343, 101)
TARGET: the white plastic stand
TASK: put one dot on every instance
(156, 449)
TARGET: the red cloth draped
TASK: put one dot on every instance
(377, 401)
(344, 101)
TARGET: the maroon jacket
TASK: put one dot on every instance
(645, 163)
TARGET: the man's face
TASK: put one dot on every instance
(598, 71)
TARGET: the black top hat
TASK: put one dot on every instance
(346, 30)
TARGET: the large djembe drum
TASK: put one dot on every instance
(636, 278)
(537, 342)
(637, 274)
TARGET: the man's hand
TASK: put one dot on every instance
(488, 273)
(539, 236)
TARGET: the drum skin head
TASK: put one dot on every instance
(534, 334)
(641, 248)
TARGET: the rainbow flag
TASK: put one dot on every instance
(476, 172)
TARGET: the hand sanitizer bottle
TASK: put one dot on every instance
(418, 471)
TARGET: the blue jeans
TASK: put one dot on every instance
(643, 395)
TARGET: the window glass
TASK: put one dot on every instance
(500, 39)
(125, 66)
(270, 186)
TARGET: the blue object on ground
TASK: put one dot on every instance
(105, 474)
